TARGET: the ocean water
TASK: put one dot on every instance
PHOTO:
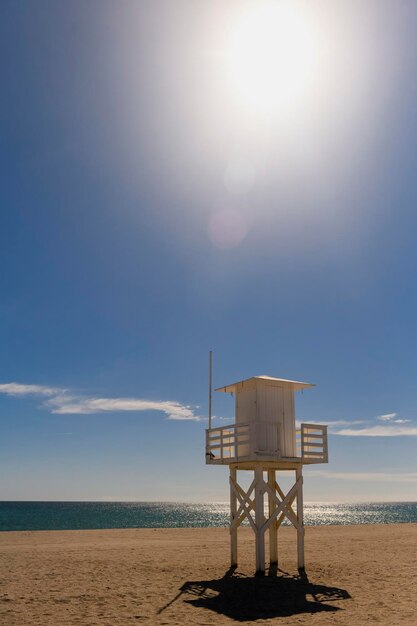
(95, 515)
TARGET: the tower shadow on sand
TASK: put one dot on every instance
(245, 598)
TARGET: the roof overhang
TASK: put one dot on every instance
(295, 385)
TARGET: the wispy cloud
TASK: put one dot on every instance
(390, 417)
(60, 401)
(390, 427)
(399, 477)
(387, 417)
(381, 430)
(87, 406)
(16, 389)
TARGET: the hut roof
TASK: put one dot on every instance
(296, 385)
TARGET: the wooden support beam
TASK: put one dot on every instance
(282, 506)
(243, 508)
(284, 515)
(250, 504)
(233, 518)
(282, 495)
(273, 529)
(249, 508)
(259, 521)
(300, 518)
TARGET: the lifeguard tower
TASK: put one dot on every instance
(264, 439)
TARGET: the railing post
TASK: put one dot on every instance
(221, 444)
(235, 441)
(302, 440)
(325, 445)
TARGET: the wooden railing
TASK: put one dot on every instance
(227, 443)
(238, 442)
(311, 440)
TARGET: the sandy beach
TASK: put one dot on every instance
(354, 575)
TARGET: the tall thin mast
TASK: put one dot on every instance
(210, 386)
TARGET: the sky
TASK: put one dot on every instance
(176, 177)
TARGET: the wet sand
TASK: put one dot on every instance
(354, 575)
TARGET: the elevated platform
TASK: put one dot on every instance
(237, 445)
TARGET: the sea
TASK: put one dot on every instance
(98, 515)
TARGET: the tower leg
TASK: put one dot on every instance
(233, 510)
(273, 530)
(259, 521)
(300, 517)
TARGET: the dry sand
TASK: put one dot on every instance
(354, 575)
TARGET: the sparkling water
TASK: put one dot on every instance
(95, 515)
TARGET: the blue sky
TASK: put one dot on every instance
(148, 215)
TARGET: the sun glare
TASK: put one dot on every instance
(273, 56)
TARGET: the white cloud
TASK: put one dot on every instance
(16, 389)
(387, 417)
(382, 430)
(410, 477)
(60, 401)
(390, 427)
(87, 406)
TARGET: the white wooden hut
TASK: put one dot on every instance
(264, 438)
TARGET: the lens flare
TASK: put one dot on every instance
(273, 56)
(227, 229)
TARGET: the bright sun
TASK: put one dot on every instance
(273, 56)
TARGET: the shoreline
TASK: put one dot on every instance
(357, 574)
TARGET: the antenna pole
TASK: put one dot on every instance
(210, 387)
